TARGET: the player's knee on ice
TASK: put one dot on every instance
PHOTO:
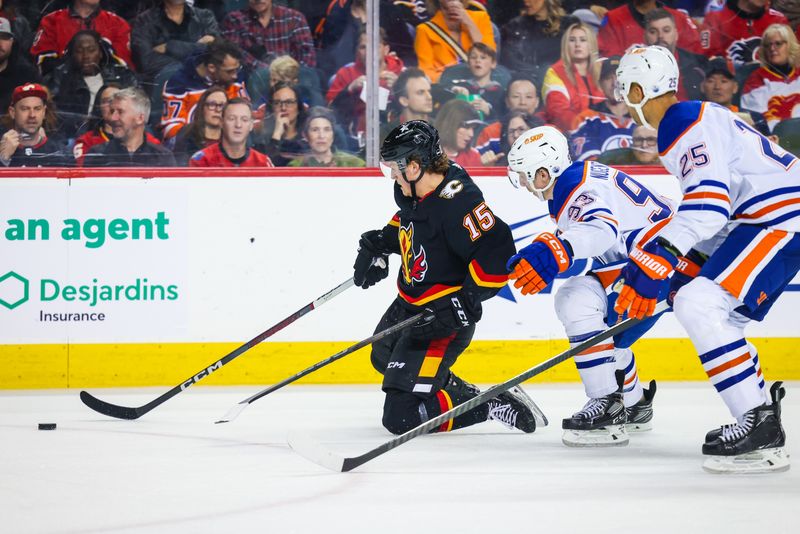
(401, 411)
(581, 305)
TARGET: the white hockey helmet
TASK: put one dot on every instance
(653, 68)
(541, 147)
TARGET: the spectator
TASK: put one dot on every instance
(605, 125)
(21, 28)
(287, 69)
(130, 109)
(165, 35)
(337, 33)
(720, 87)
(735, 31)
(521, 96)
(483, 93)
(57, 29)
(280, 137)
(791, 10)
(624, 26)
(344, 95)
(205, 128)
(660, 29)
(318, 132)
(774, 89)
(571, 85)
(514, 124)
(456, 122)
(15, 70)
(412, 99)
(220, 64)
(232, 150)
(88, 65)
(25, 143)
(531, 42)
(265, 31)
(435, 43)
(643, 152)
(98, 130)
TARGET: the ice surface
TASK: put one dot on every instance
(174, 471)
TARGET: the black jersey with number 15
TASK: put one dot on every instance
(449, 240)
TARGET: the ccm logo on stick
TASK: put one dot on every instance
(202, 374)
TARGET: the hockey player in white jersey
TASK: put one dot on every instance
(741, 209)
(600, 213)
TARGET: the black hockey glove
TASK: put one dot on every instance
(687, 270)
(372, 262)
(451, 312)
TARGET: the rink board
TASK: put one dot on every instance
(124, 281)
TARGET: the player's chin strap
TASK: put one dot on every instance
(638, 108)
(414, 183)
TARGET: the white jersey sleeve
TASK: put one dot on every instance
(691, 150)
(727, 171)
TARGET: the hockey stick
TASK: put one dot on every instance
(124, 412)
(326, 458)
(234, 412)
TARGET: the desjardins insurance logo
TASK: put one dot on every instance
(15, 290)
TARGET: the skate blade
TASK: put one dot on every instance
(538, 414)
(610, 436)
(764, 461)
(639, 427)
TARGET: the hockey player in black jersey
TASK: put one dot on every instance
(452, 250)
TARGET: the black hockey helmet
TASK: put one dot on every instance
(416, 139)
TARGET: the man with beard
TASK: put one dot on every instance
(26, 144)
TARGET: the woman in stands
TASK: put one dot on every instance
(205, 127)
(445, 39)
(531, 42)
(280, 137)
(774, 88)
(456, 122)
(318, 132)
(514, 124)
(572, 84)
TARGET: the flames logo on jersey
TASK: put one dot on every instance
(783, 107)
(415, 265)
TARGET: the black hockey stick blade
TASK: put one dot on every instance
(234, 412)
(330, 460)
(125, 412)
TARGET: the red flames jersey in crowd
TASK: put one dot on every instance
(623, 27)
(215, 156)
(726, 33)
(773, 94)
(57, 28)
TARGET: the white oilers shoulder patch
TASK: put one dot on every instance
(451, 188)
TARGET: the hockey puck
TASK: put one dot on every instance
(47, 426)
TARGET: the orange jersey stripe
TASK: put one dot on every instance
(768, 209)
(735, 281)
(728, 365)
(718, 196)
(597, 348)
(631, 379)
(607, 277)
(651, 233)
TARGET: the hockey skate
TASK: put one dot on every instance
(515, 409)
(754, 445)
(639, 417)
(601, 423)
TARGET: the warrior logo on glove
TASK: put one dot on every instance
(415, 265)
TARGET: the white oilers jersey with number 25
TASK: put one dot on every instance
(727, 171)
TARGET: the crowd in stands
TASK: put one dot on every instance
(102, 83)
